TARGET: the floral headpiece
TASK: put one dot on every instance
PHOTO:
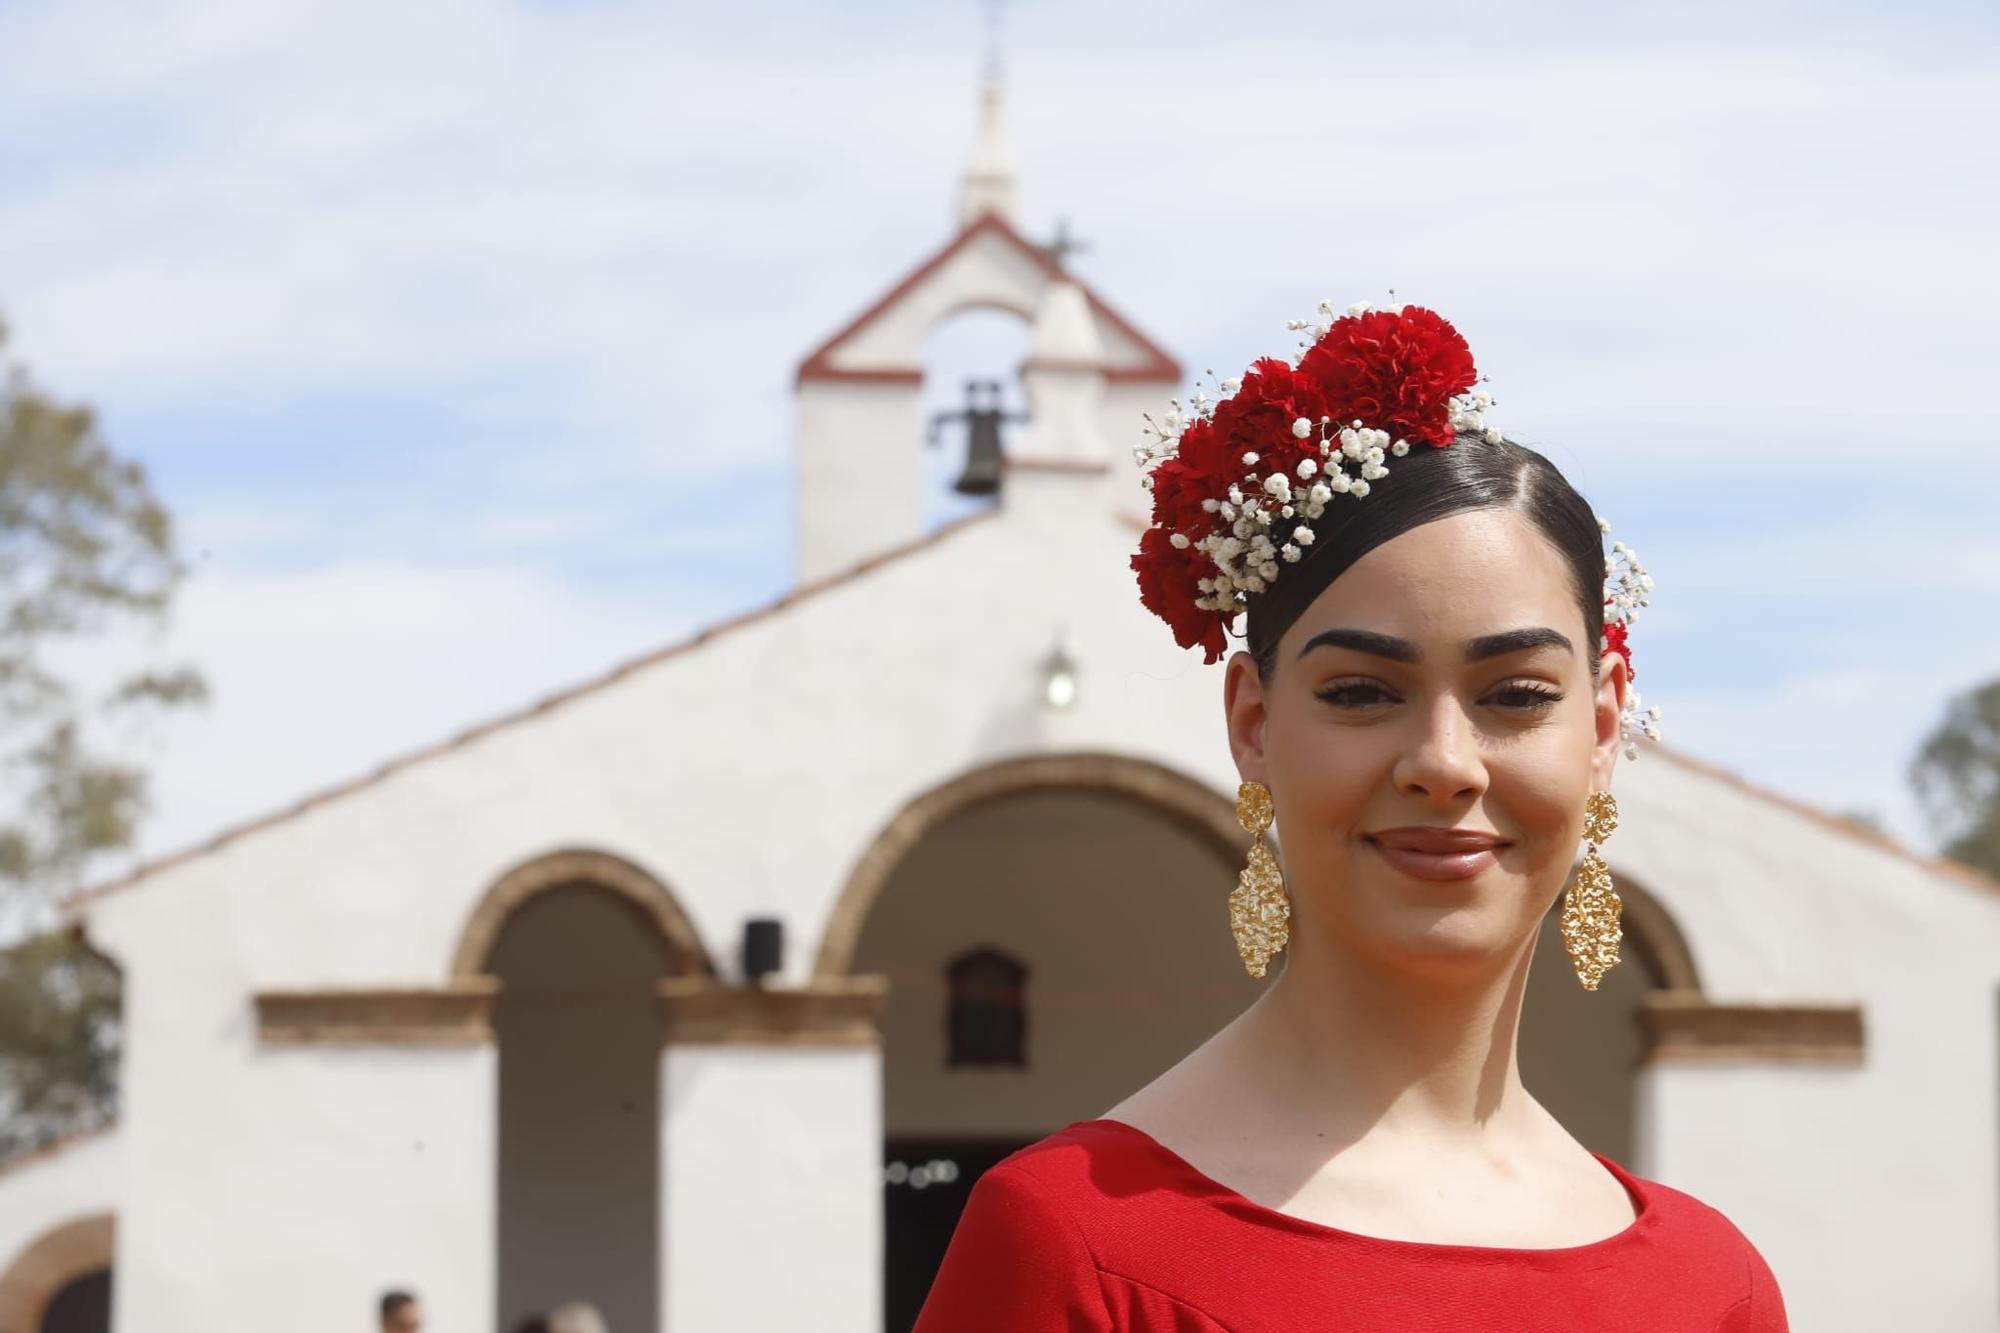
(1239, 479)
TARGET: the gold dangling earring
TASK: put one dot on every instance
(1591, 907)
(1259, 913)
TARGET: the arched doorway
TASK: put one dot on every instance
(579, 943)
(61, 1283)
(1580, 1051)
(82, 1306)
(1055, 932)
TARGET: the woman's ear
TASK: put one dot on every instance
(1243, 709)
(1612, 689)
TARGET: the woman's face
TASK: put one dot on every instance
(1439, 690)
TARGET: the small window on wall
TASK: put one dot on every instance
(988, 1013)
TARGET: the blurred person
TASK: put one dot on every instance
(401, 1313)
(1431, 697)
(576, 1317)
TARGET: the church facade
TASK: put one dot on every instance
(705, 989)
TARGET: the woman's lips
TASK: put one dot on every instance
(1436, 854)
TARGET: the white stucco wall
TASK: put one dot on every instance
(771, 1167)
(1895, 1159)
(751, 772)
(859, 472)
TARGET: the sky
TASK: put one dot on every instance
(459, 337)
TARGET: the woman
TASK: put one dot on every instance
(1432, 695)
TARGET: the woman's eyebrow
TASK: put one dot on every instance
(1402, 650)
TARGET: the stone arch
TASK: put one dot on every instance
(1649, 926)
(51, 1262)
(646, 897)
(1654, 934)
(1192, 804)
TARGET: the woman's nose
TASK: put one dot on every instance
(1442, 760)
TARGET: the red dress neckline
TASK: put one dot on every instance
(1221, 1196)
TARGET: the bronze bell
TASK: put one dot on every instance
(982, 453)
(983, 420)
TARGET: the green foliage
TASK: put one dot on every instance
(82, 542)
(59, 1004)
(84, 547)
(1957, 776)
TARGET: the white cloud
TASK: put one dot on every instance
(1781, 240)
(320, 676)
(1841, 739)
(1677, 238)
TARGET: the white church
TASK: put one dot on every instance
(705, 989)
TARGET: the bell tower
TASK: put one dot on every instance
(859, 470)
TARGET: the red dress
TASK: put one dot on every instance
(1101, 1227)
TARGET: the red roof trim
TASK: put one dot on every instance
(818, 363)
(1943, 865)
(55, 1147)
(885, 375)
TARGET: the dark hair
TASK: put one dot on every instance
(1473, 472)
(394, 1301)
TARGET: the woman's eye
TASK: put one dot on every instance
(1521, 698)
(1526, 696)
(1354, 696)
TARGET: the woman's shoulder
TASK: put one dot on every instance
(1088, 1159)
(1689, 1213)
(1027, 1251)
(1702, 1233)
(1076, 1169)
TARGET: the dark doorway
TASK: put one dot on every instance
(83, 1306)
(579, 1029)
(925, 1184)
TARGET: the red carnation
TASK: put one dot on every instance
(1167, 578)
(1258, 419)
(1393, 371)
(1178, 491)
(1614, 642)
(1204, 453)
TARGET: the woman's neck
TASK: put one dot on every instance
(1345, 1047)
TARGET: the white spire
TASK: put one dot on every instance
(1064, 380)
(989, 181)
(1064, 334)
